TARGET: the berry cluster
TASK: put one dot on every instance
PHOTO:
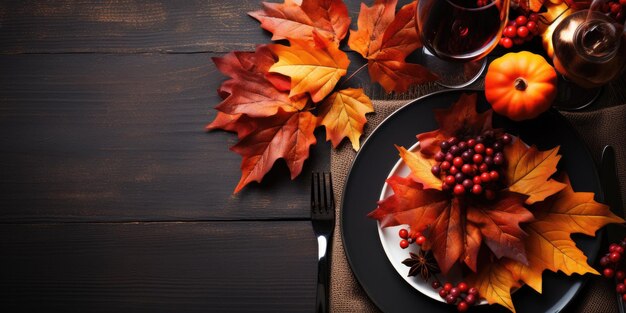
(471, 166)
(615, 9)
(521, 29)
(408, 238)
(461, 294)
(614, 268)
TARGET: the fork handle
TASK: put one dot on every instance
(322, 284)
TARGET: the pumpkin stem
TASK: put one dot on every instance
(521, 84)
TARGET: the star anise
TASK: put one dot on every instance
(423, 263)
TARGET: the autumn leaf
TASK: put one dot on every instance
(286, 135)
(529, 170)
(385, 39)
(529, 5)
(460, 119)
(498, 223)
(292, 21)
(249, 91)
(410, 204)
(313, 69)
(343, 115)
(238, 123)
(420, 168)
(494, 283)
(447, 235)
(549, 245)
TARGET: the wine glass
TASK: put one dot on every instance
(458, 34)
(589, 52)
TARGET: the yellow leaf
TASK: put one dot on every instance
(549, 245)
(529, 170)
(343, 115)
(494, 283)
(313, 69)
(420, 168)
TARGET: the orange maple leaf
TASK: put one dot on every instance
(549, 245)
(286, 135)
(385, 39)
(313, 68)
(528, 171)
(250, 91)
(236, 123)
(494, 283)
(343, 115)
(290, 20)
(420, 168)
(458, 120)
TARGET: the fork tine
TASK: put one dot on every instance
(325, 206)
(332, 192)
(319, 193)
(313, 192)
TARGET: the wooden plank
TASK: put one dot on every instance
(121, 138)
(131, 26)
(158, 267)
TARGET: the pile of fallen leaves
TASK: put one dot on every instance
(278, 95)
(506, 242)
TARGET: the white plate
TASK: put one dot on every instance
(390, 241)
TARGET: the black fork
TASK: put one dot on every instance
(323, 220)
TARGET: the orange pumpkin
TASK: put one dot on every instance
(520, 85)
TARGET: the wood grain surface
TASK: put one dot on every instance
(158, 267)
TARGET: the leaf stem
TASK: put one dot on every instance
(352, 75)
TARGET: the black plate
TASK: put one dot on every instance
(374, 162)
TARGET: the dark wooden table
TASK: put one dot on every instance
(112, 196)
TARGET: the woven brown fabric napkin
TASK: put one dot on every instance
(597, 128)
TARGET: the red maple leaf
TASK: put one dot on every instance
(459, 120)
(385, 39)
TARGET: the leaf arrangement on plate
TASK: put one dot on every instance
(278, 95)
(499, 241)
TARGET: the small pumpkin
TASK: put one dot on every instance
(520, 85)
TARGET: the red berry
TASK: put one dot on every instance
(620, 275)
(510, 31)
(436, 284)
(494, 175)
(447, 287)
(445, 165)
(489, 151)
(522, 31)
(608, 272)
(604, 261)
(458, 162)
(404, 243)
(484, 168)
(454, 170)
(507, 42)
(612, 247)
(455, 292)
(620, 288)
(462, 306)
(471, 143)
(511, 23)
(619, 250)
(466, 169)
(622, 2)
(533, 17)
(477, 189)
(473, 291)
(459, 190)
(615, 8)
(450, 299)
(624, 297)
(403, 233)
(532, 27)
(479, 148)
(450, 180)
(485, 177)
(420, 240)
(476, 180)
(506, 139)
(443, 293)
(463, 287)
(477, 158)
(468, 184)
(470, 299)
(521, 20)
(615, 257)
(440, 156)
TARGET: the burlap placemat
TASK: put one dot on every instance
(597, 128)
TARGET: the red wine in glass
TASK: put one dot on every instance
(460, 31)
